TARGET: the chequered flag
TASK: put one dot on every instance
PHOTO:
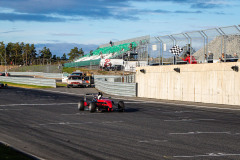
(176, 50)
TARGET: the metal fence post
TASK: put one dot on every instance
(160, 50)
(205, 37)
(224, 44)
(173, 39)
(190, 40)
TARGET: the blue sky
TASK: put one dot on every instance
(95, 22)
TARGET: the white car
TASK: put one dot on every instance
(75, 81)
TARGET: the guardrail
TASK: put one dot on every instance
(105, 84)
(30, 81)
(117, 78)
(46, 75)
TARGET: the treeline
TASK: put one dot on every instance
(26, 54)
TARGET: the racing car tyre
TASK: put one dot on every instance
(121, 106)
(92, 107)
(81, 105)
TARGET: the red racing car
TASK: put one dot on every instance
(99, 104)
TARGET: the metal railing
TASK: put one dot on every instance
(110, 85)
(117, 78)
(206, 46)
(30, 81)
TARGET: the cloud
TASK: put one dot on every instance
(86, 8)
(12, 31)
(27, 17)
(65, 34)
(188, 12)
(41, 10)
(106, 32)
(206, 5)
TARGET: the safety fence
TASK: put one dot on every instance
(110, 85)
(30, 81)
(83, 63)
(37, 68)
(117, 78)
(41, 74)
(205, 46)
(126, 41)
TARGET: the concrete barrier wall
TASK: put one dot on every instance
(208, 83)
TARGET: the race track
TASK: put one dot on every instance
(48, 125)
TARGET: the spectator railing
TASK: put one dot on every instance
(201, 44)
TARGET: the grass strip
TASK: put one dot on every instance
(24, 85)
(61, 84)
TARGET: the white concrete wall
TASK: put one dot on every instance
(208, 83)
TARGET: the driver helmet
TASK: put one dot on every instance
(99, 95)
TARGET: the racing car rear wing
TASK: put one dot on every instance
(92, 94)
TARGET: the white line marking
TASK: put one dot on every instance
(197, 132)
(178, 112)
(180, 120)
(47, 104)
(82, 114)
(207, 119)
(74, 123)
(134, 102)
(196, 106)
(151, 141)
(188, 105)
(185, 120)
(42, 99)
(112, 122)
(11, 109)
(64, 123)
(75, 94)
(208, 155)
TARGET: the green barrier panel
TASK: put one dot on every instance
(82, 63)
(117, 50)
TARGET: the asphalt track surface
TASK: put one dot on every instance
(47, 125)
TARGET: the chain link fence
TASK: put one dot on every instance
(37, 68)
(205, 46)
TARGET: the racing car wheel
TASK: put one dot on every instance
(121, 106)
(81, 105)
(92, 107)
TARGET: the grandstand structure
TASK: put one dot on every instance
(126, 51)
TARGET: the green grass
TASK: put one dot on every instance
(24, 85)
(70, 70)
(85, 70)
(7, 153)
(61, 84)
